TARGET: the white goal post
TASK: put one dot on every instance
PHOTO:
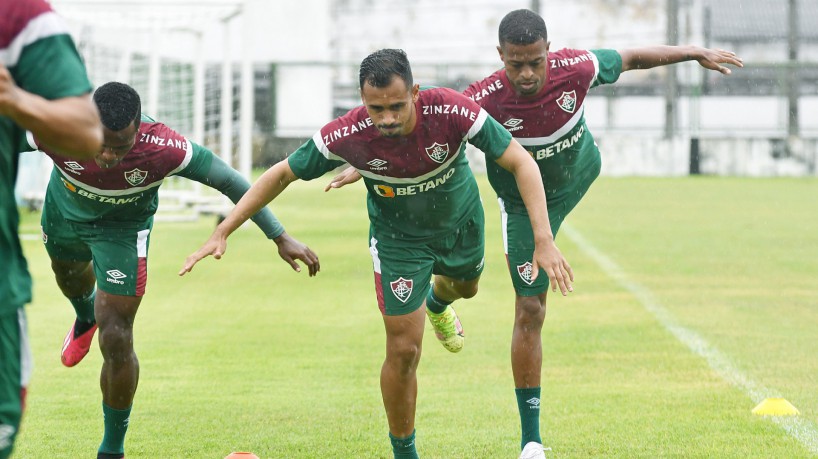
(179, 55)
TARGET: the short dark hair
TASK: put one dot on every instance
(378, 68)
(522, 27)
(119, 105)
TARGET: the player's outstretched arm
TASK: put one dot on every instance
(655, 56)
(69, 126)
(230, 183)
(266, 188)
(546, 254)
(290, 249)
(347, 176)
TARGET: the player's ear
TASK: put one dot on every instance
(547, 46)
(415, 90)
(500, 52)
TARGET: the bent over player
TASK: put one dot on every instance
(97, 220)
(424, 210)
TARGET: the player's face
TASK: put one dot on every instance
(526, 66)
(392, 109)
(115, 145)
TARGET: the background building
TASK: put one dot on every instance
(251, 78)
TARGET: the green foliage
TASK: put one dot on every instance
(245, 354)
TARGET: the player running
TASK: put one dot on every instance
(424, 209)
(97, 220)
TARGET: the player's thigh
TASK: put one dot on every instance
(121, 259)
(461, 255)
(15, 369)
(402, 274)
(60, 237)
(519, 246)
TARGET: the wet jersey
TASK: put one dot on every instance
(127, 194)
(419, 187)
(38, 52)
(550, 125)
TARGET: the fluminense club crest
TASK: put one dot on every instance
(525, 271)
(438, 152)
(136, 177)
(568, 101)
(401, 288)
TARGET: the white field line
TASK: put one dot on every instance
(801, 429)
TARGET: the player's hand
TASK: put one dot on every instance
(550, 259)
(216, 246)
(713, 58)
(290, 249)
(347, 176)
(8, 92)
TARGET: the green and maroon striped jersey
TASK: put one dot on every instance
(41, 57)
(550, 125)
(419, 187)
(127, 192)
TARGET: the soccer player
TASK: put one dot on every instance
(97, 220)
(424, 209)
(44, 89)
(540, 97)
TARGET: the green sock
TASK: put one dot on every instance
(84, 307)
(435, 304)
(116, 425)
(528, 402)
(404, 448)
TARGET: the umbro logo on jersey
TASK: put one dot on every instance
(135, 177)
(74, 167)
(438, 152)
(513, 124)
(568, 101)
(525, 270)
(401, 288)
(377, 164)
(115, 275)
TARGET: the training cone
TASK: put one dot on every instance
(775, 407)
(241, 455)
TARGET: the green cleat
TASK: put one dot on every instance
(448, 329)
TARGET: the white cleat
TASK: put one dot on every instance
(533, 450)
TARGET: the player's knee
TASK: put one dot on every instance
(468, 290)
(404, 356)
(116, 342)
(530, 311)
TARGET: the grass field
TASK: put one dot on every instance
(694, 298)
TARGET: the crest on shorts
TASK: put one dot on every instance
(525, 271)
(136, 177)
(438, 152)
(401, 288)
(568, 101)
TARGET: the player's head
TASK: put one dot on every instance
(524, 51)
(388, 92)
(120, 110)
